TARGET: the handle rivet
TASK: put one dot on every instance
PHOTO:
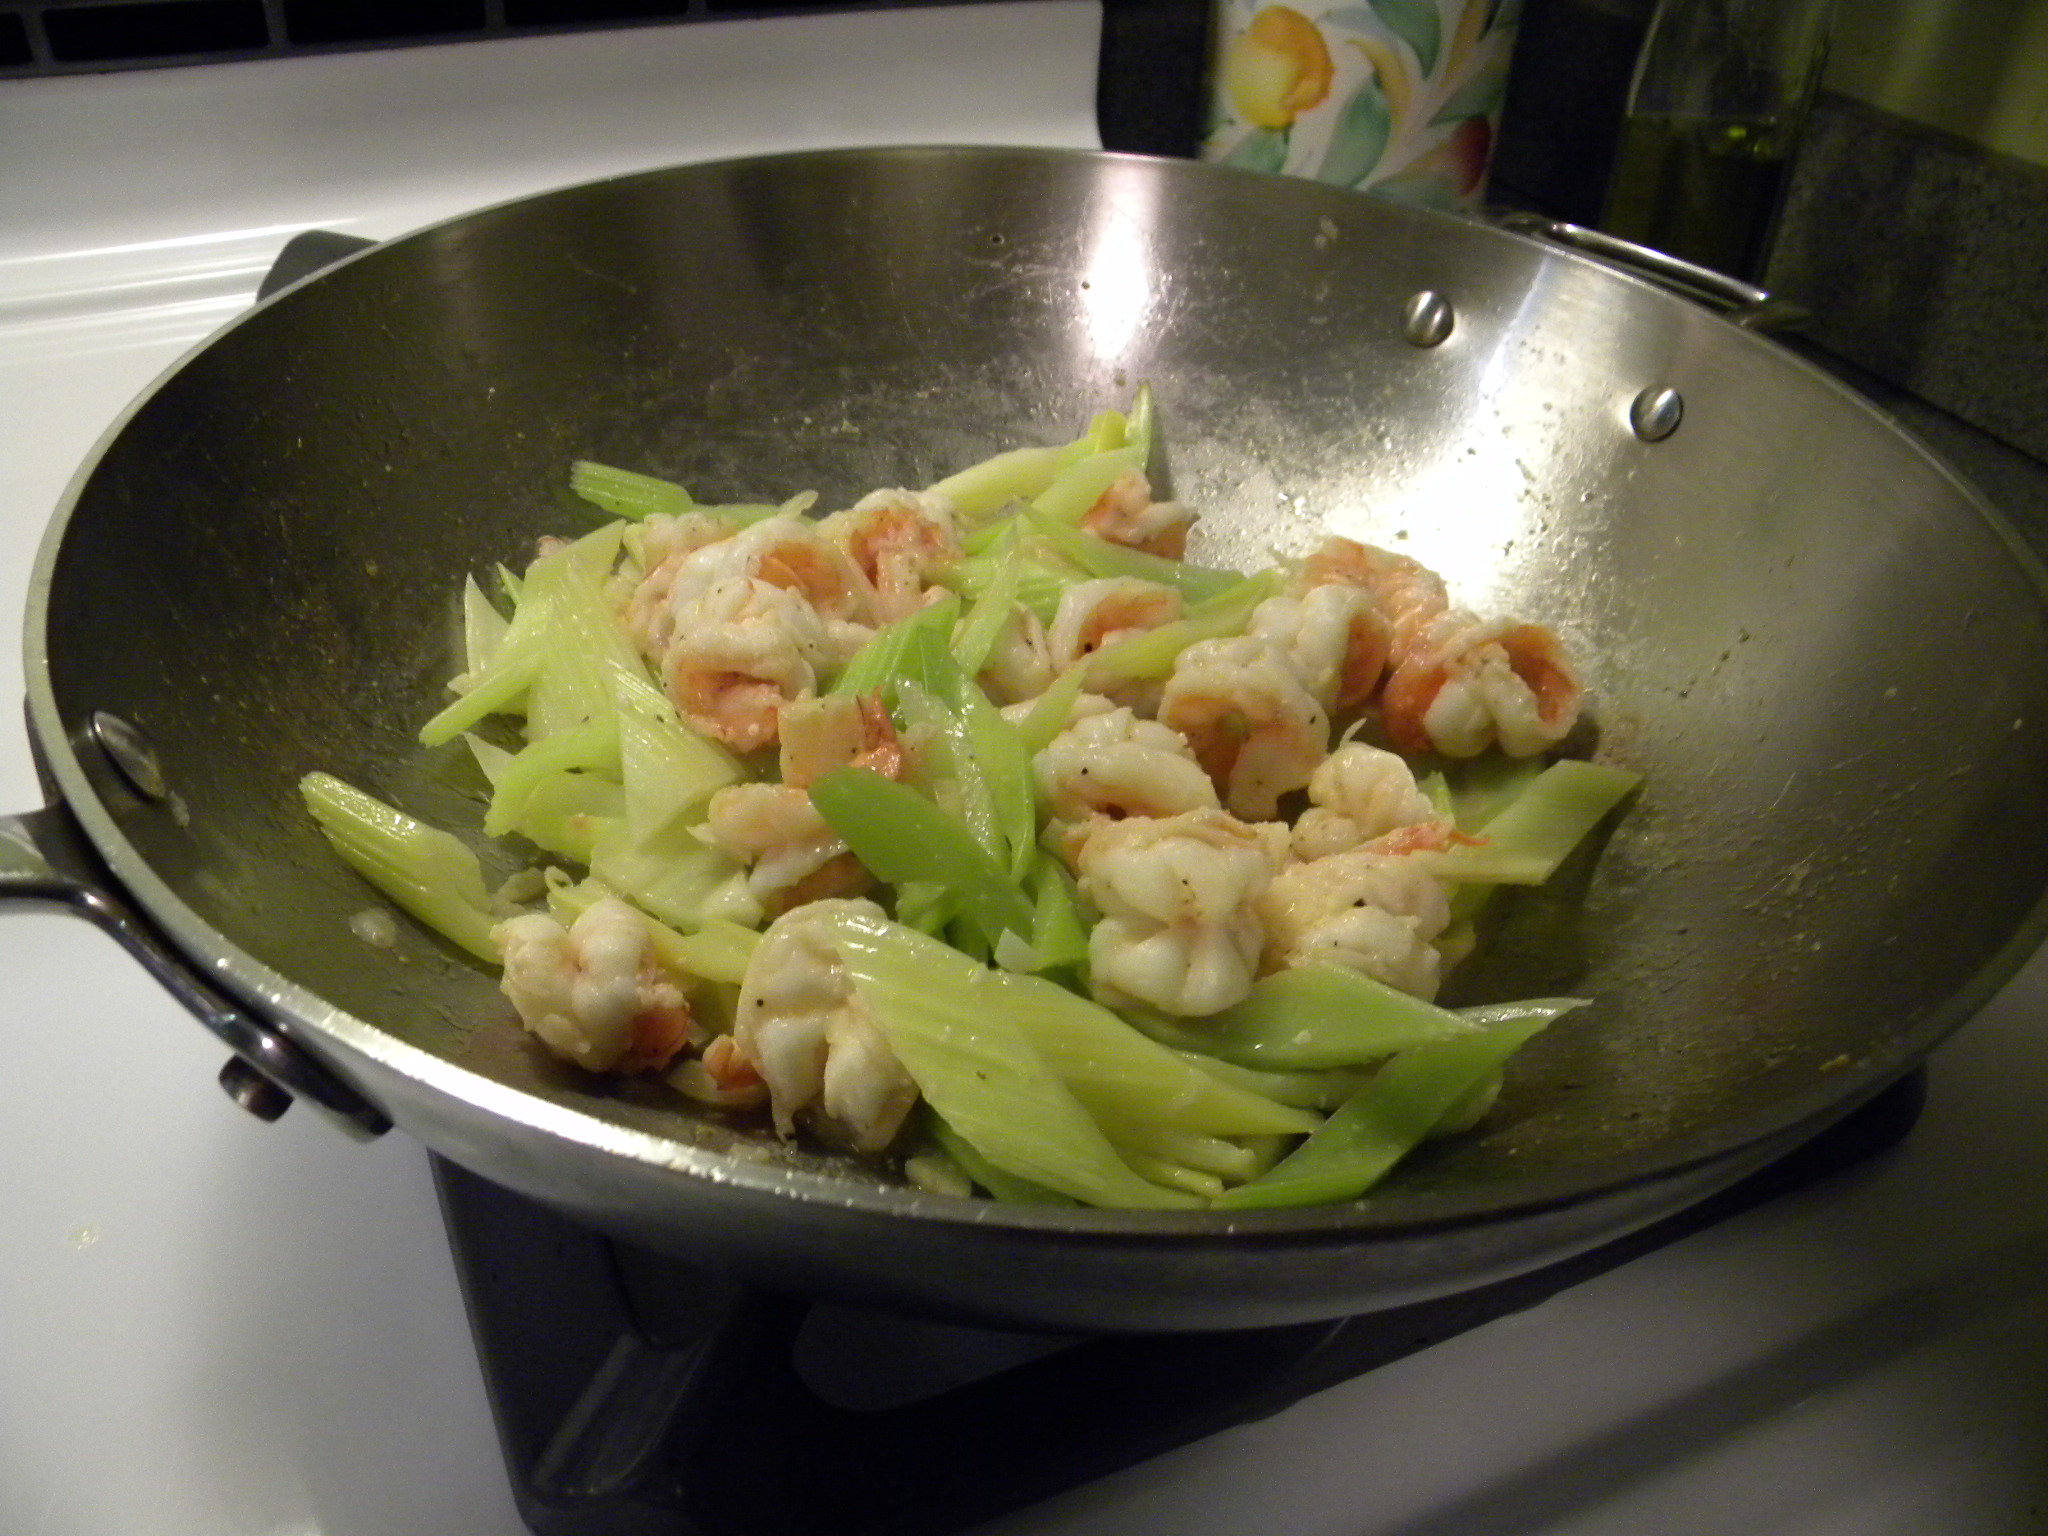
(248, 1087)
(1427, 319)
(1655, 413)
(131, 754)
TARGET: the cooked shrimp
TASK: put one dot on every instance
(1115, 764)
(1334, 636)
(837, 731)
(1469, 683)
(1180, 928)
(1408, 592)
(666, 544)
(1094, 613)
(721, 1077)
(1253, 726)
(782, 551)
(803, 1028)
(896, 538)
(740, 652)
(1357, 793)
(777, 832)
(1019, 664)
(1126, 514)
(1368, 909)
(593, 992)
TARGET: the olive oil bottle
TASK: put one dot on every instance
(1705, 189)
(1719, 98)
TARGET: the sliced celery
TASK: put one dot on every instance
(900, 835)
(901, 649)
(1378, 1126)
(1081, 484)
(948, 767)
(718, 951)
(1102, 558)
(569, 813)
(1217, 1156)
(628, 493)
(675, 877)
(982, 490)
(1000, 1184)
(1480, 788)
(1310, 1017)
(429, 872)
(669, 771)
(1141, 426)
(945, 1020)
(1529, 838)
(483, 628)
(591, 747)
(1153, 653)
(1059, 933)
(1054, 708)
(1004, 766)
(993, 610)
(1322, 1089)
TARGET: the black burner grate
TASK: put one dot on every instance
(636, 1395)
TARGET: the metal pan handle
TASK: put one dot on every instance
(46, 862)
(1746, 305)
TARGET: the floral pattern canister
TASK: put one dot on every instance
(1399, 97)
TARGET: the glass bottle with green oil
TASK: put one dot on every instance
(1715, 111)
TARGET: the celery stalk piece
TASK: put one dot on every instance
(1002, 764)
(592, 748)
(1486, 785)
(1379, 1125)
(1124, 1077)
(1081, 484)
(946, 1021)
(899, 649)
(567, 813)
(1311, 1017)
(1141, 426)
(587, 649)
(1167, 1174)
(1102, 558)
(1059, 933)
(982, 490)
(925, 905)
(994, 608)
(669, 771)
(1054, 708)
(483, 628)
(1324, 1089)
(901, 836)
(1153, 653)
(950, 770)
(515, 661)
(718, 951)
(628, 493)
(491, 759)
(1000, 1184)
(429, 872)
(676, 877)
(1529, 838)
(1215, 1156)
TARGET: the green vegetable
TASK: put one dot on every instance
(1081, 484)
(1379, 1125)
(1101, 558)
(1153, 653)
(1536, 832)
(945, 1021)
(899, 835)
(430, 873)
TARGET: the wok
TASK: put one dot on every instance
(1824, 652)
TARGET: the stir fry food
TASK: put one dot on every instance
(977, 829)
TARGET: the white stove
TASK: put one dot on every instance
(210, 1325)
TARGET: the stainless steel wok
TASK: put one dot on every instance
(1825, 653)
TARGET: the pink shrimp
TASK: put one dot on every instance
(1126, 514)
(896, 538)
(1468, 684)
(741, 652)
(1093, 613)
(1409, 593)
(593, 992)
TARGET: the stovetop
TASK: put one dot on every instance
(208, 1325)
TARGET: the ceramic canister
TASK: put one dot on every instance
(1399, 96)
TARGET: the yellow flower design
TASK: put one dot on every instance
(1277, 68)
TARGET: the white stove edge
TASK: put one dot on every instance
(209, 1325)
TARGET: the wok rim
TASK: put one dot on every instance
(309, 1020)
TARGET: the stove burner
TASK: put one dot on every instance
(636, 1394)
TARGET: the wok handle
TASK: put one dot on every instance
(1751, 307)
(45, 862)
